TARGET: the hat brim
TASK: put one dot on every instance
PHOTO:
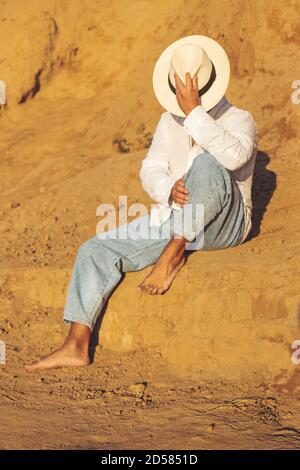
(217, 55)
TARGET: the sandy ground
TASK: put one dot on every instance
(208, 365)
(128, 401)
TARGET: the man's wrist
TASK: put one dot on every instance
(191, 109)
(196, 115)
(172, 182)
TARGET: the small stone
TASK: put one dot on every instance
(211, 427)
(138, 388)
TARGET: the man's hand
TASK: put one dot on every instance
(187, 93)
(179, 193)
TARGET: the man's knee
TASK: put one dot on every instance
(206, 168)
(90, 246)
(205, 162)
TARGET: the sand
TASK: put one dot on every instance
(211, 359)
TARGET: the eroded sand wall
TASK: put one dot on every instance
(80, 114)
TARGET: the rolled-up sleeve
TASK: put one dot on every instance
(232, 145)
(155, 174)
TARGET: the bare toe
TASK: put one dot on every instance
(142, 287)
(154, 290)
(148, 288)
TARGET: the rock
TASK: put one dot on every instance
(138, 388)
(211, 427)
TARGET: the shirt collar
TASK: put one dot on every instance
(220, 108)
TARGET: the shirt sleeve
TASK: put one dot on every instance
(232, 145)
(155, 174)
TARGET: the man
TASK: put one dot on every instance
(202, 155)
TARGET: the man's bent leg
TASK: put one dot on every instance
(211, 186)
(98, 268)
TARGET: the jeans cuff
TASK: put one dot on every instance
(71, 318)
(182, 233)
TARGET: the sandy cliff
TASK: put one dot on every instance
(80, 115)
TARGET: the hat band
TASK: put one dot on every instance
(202, 90)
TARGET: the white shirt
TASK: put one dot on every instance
(231, 138)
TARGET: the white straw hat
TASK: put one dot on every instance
(196, 54)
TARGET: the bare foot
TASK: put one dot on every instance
(160, 278)
(70, 354)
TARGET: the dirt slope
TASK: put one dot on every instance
(80, 116)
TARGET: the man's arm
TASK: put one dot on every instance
(232, 146)
(155, 175)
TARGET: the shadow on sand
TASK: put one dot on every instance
(264, 185)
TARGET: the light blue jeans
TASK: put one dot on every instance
(102, 260)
